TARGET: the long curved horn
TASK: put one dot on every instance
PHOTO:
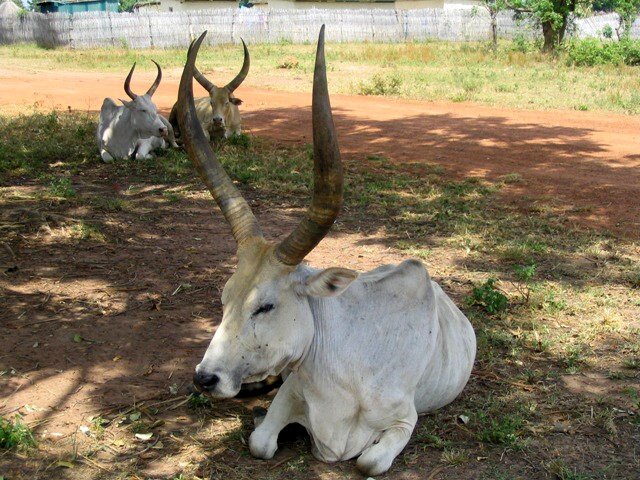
(235, 83)
(127, 83)
(235, 209)
(327, 173)
(202, 80)
(156, 82)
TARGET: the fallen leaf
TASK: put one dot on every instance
(134, 416)
(144, 436)
(463, 419)
(64, 464)
(77, 338)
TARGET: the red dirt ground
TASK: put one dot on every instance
(587, 163)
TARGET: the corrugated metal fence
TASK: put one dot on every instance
(177, 29)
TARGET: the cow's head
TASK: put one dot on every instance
(221, 98)
(144, 114)
(267, 321)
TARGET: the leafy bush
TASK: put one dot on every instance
(15, 434)
(591, 51)
(381, 85)
(488, 297)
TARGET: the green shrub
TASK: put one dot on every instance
(488, 297)
(381, 85)
(591, 51)
(15, 434)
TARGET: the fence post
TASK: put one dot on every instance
(189, 28)
(150, 32)
(71, 31)
(233, 24)
(113, 40)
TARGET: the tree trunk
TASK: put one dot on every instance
(563, 28)
(494, 30)
(549, 34)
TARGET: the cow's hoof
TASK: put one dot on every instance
(371, 463)
(262, 445)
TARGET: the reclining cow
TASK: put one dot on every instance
(218, 113)
(134, 129)
(363, 353)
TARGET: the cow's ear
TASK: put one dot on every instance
(235, 101)
(330, 282)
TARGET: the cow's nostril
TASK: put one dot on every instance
(206, 380)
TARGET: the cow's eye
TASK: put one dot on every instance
(267, 307)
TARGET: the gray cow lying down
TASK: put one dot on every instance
(134, 129)
(363, 354)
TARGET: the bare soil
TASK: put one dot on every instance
(91, 328)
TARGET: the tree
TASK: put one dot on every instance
(127, 5)
(553, 16)
(628, 11)
(494, 7)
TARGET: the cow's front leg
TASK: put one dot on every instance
(286, 408)
(230, 132)
(106, 157)
(171, 136)
(378, 458)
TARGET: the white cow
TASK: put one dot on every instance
(134, 129)
(363, 354)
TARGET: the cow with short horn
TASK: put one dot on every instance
(363, 353)
(134, 129)
(218, 113)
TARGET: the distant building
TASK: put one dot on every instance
(76, 6)
(178, 5)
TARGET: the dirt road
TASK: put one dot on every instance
(587, 164)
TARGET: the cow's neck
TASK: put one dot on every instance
(124, 129)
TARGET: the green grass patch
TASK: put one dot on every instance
(37, 143)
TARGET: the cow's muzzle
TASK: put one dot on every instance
(205, 381)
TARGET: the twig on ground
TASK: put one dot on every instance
(435, 472)
(280, 462)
